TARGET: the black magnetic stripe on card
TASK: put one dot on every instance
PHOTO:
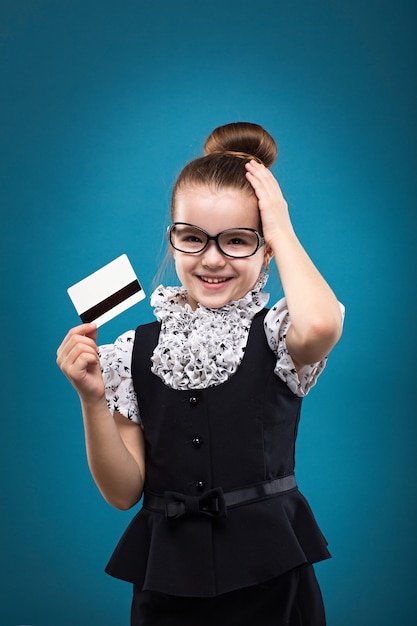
(109, 303)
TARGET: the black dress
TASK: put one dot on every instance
(200, 444)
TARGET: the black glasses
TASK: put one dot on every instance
(237, 243)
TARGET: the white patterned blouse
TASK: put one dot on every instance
(202, 348)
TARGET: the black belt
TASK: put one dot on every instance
(214, 502)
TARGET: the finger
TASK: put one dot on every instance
(79, 361)
(84, 330)
(266, 186)
(260, 171)
(89, 330)
(79, 346)
(255, 165)
(258, 174)
(257, 169)
(264, 189)
(77, 365)
(74, 344)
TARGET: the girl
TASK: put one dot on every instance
(212, 392)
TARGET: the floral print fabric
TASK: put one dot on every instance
(201, 348)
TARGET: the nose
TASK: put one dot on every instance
(212, 256)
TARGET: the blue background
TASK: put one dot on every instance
(102, 103)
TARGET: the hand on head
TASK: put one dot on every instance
(273, 207)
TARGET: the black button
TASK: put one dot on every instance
(200, 485)
(193, 400)
(197, 442)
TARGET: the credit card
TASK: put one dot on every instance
(107, 292)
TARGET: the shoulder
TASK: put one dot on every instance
(276, 323)
(115, 362)
(112, 353)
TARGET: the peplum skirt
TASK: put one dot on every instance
(200, 556)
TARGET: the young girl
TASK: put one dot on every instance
(198, 411)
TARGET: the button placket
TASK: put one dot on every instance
(197, 442)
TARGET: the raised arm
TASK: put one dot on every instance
(115, 446)
(316, 320)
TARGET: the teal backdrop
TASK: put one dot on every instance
(102, 103)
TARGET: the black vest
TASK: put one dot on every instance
(233, 435)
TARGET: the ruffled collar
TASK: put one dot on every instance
(202, 348)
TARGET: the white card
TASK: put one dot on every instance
(107, 292)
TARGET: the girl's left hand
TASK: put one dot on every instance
(272, 204)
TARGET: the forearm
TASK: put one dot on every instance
(116, 472)
(115, 446)
(316, 320)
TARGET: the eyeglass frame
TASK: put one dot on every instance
(215, 238)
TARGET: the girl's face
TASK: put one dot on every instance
(211, 278)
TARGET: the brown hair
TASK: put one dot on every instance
(226, 151)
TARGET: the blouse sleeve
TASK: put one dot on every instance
(115, 362)
(277, 322)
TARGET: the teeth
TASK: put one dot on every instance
(213, 280)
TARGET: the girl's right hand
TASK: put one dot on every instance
(78, 359)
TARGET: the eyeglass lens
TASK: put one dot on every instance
(237, 242)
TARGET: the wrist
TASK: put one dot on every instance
(93, 404)
(281, 236)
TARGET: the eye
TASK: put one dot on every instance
(237, 241)
(188, 238)
(192, 238)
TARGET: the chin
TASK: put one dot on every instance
(215, 297)
(217, 301)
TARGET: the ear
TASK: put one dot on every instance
(268, 254)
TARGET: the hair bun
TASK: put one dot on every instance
(242, 137)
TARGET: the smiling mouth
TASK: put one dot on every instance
(213, 281)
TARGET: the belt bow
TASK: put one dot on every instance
(211, 503)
